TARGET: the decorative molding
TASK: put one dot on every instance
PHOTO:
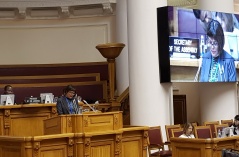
(38, 9)
(21, 13)
(65, 12)
(49, 3)
(182, 2)
(107, 8)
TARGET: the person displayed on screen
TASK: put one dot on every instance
(217, 64)
(230, 26)
(68, 103)
(8, 89)
(204, 16)
(231, 33)
(187, 131)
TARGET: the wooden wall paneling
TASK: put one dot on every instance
(90, 90)
(33, 79)
(12, 147)
(118, 143)
(27, 125)
(11, 151)
(90, 122)
(202, 147)
(135, 141)
(79, 145)
(55, 69)
(104, 148)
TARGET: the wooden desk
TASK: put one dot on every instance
(25, 120)
(124, 142)
(188, 147)
(89, 122)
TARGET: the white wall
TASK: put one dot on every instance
(218, 101)
(218, 5)
(191, 90)
(54, 41)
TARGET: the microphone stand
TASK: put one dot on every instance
(89, 106)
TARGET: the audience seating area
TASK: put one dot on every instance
(209, 129)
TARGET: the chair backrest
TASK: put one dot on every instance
(211, 124)
(168, 129)
(155, 135)
(228, 122)
(194, 124)
(219, 127)
(177, 132)
(203, 132)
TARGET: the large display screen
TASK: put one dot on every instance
(197, 45)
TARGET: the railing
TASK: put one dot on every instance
(123, 99)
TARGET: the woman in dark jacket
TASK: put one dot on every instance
(68, 103)
(217, 64)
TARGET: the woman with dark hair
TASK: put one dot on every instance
(217, 64)
(187, 131)
(68, 103)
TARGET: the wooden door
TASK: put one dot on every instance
(179, 109)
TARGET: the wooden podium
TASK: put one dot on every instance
(88, 122)
(211, 147)
(87, 135)
(99, 134)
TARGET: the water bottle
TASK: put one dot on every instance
(219, 134)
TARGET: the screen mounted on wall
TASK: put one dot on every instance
(197, 45)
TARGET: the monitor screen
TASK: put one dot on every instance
(197, 45)
(46, 98)
(7, 99)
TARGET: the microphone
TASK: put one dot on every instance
(89, 106)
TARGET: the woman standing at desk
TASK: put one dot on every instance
(68, 104)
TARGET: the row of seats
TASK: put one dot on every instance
(209, 130)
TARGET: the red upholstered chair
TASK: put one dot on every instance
(211, 124)
(156, 143)
(228, 122)
(203, 132)
(177, 132)
(194, 125)
(168, 129)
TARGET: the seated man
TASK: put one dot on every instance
(8, 89)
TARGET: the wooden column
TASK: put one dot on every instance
(111, 51)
